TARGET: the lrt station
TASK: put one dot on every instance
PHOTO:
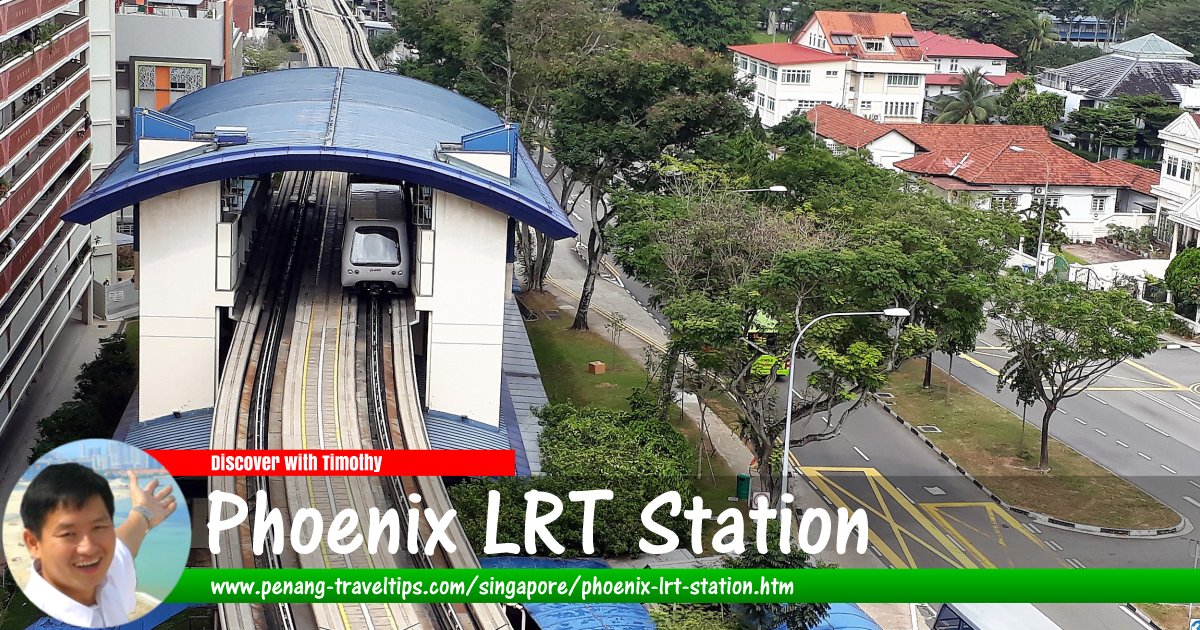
(325, 261)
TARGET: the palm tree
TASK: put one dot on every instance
(973, 103)
(1040, 32)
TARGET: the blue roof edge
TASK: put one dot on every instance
(105, 197)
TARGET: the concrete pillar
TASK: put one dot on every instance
(466, 320)
(1174, 241)
(177, 281)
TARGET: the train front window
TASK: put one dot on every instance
(375, 246)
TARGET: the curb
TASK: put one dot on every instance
(1140, 616)
(1111, 532)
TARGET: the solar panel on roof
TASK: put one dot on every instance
(843, 40)
(904, 40)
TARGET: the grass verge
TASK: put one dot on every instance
(131, 338)
(1071, 258)
(562, 357)
(1166, 615)
(984, 438)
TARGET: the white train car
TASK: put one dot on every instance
(375, 248)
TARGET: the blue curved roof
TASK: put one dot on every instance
(331, 119)
(588, 616)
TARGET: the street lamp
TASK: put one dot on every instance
(898, 313)
(1037, 256)
(775, 189)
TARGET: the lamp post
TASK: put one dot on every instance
(775, 189)
(1037, 255)
(898, 313)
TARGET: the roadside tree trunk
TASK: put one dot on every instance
(1044, 463)
(928, 384)
(595, 251)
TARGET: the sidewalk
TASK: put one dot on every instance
(643, 332)
(53, 385)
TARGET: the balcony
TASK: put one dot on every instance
(30, 234)
(65, 90)
(22, 74)
(20, 15)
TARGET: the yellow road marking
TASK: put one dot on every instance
(997, 517)
(1139, 366)
(981, 365)
(828, 487)
(887, 511)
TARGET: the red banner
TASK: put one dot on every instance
(337, 463)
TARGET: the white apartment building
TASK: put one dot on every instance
(1178, 190)
(952, 56)
(868, 63)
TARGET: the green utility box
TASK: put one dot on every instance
(743, 487)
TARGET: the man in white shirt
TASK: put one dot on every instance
(83, 572)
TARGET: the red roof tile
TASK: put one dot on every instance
(1004, 80)
(843, 127)
(985, 158)
(785, 53)
(998, 80)
(1196, 117)
(868, 25)
(1136, 177)
(938, 45)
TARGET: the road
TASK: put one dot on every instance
(923, 513)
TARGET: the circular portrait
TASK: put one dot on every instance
(96, 533)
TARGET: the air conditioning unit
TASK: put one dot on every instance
(1039, 190)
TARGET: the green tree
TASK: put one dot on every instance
(794, 129)
(692, 617)
(1151, 114)
(1058, 56)
(793, 616)
(621, 109)
(1096, 128)
(383, 43)
(973, 103)
(1040, 33)
(1052, 228)
(1024, 105)
(711, 24)
(636, 454)
(1177, 21)
(1183, 276)
(1064, 337)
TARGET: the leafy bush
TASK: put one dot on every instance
(635, 454)
(102, 391)
(1183, 276)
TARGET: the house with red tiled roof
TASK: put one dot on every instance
(1002, 167)
(868, 63)
(953, 56)
(1178, 188)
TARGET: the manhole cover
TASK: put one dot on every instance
(929, 428)
(885, 394)
(935, 491)
(552, 314)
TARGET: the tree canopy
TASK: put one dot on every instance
(1024, 105)
(1183, 276)
(974, 101)
(1064, 337)
(711, 24)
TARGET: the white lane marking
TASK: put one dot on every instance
(1135, 618)
(1191, 500)
(1194, 483)
(1144, 456)
(1053, 545)
(875, 551)
(1163, 403)
(958, 544)
(864, 455)
(1075, 563)
(1156, 429)
(1164, 467)
(1031, 527)
(1080, 421)
(905, 494)
(1096, 399)
(1122, 444)
(1061, 411)
(1100, 432)
(1188, 401)
(825, 419)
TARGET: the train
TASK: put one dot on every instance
(375, 247)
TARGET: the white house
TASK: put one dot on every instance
(1178, 191)
(1001, 166)
(869, 63)
(952, 56)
